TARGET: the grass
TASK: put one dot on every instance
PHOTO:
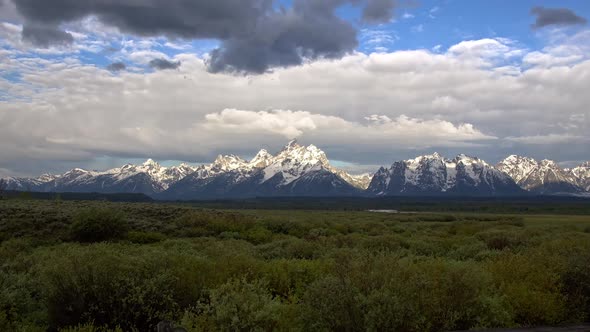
(286, 270)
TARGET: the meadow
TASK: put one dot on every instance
(111, 266)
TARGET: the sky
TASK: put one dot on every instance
(99, 83)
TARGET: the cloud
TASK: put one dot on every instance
(549, 139)
(375, 129)
(286, 123)
(485, 52)
(116, 66)
(379, 11)
(255, 36)
(8, 12)
(555, 16)
(163, 64)
(46, 36)
(178, 19)
(547, 60)
(309, 30)
(380, 40)
(562, 50)
(363, 108)
(418, 28)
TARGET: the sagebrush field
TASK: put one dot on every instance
(94, 266)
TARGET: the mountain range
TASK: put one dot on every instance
(299, 170)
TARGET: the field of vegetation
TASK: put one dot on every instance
(100, 266)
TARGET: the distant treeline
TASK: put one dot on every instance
(536, 204)
(526, 204)
(115, 197)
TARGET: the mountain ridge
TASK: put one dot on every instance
(299, 170)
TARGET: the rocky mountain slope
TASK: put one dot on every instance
(299, 170)
(295, 171)
(582, 176)
(436, 175)
(542, 177)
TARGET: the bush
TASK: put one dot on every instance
(212, 223)
(238, 305)
(98, 225)
(90, 328)
(145, 237)
(500, 240)
(530, 286)
(576, 286)
(332, 304)
(20, 302)
(117, 286)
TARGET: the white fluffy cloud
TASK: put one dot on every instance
(416, 133)
(367, 109)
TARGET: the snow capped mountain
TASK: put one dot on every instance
(582, 174)
(544, 177)
(299, 170)
(147, 178)
(517, 167)
(294, 161)
(434, 175)
(360, 181)
(262, 159)
(295, 170)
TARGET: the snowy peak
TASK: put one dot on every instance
(429, 158)
(543, 177)
(517, 167)
(305, 170)
(291, 145)
(294, 153)
(262, 159)
(294, 161)
(434, 174)
(582, 175)
(44, 178)
(228, 163)
(150, 163)
(360, 181)
(468, 160)
(546, 163)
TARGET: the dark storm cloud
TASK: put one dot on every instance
(116, 66)
(555, 16)
(173, 18)
(255, 36)
(379, 11)
(308, 30)
(45, 36)
(163, 64)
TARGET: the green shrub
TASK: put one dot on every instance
(90, 328)
(286, 227)
(212, 223)
(258, 235)
(238, 305)
(97, 225)
(145, 237)
(576, 286)
(292, 248)
(531, 287)
(20, 302)
(109, 285)
(332, 304)
(500, 240)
